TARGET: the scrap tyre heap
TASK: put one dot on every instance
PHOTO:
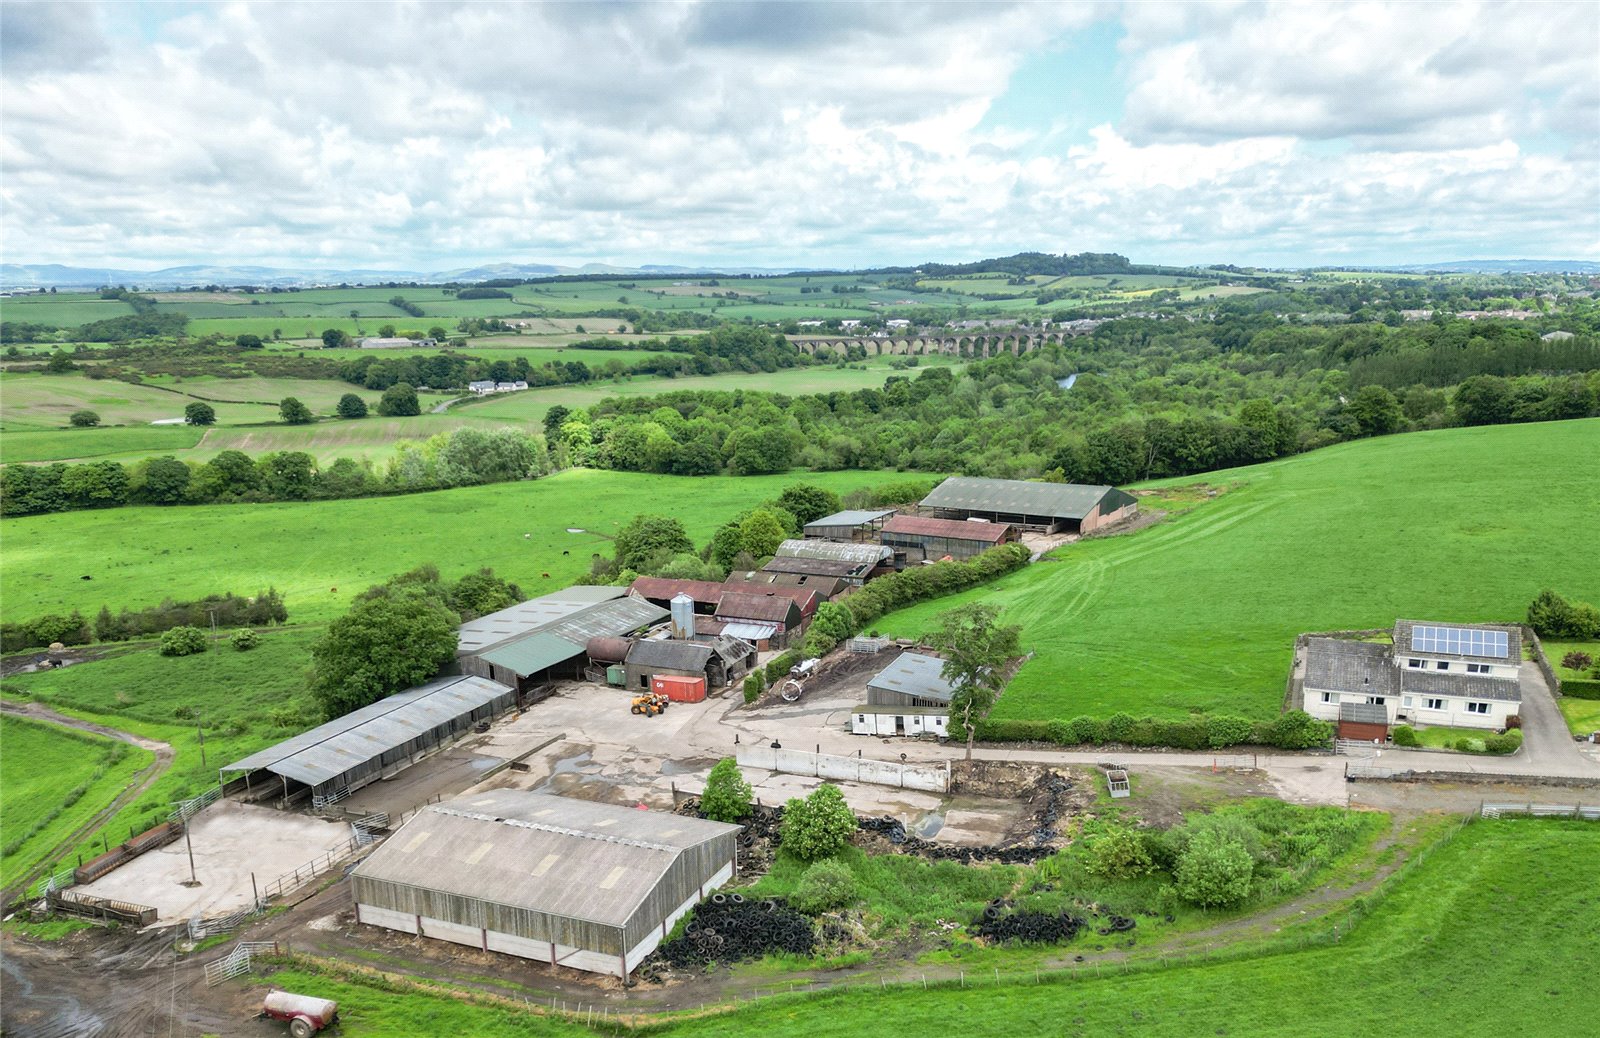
(731, 928)
(998, 926)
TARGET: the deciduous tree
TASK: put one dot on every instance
(976, 649)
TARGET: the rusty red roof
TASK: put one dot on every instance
(955, 529)
(768, 608)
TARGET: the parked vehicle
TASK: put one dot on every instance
(649, 704)
(305, 1014)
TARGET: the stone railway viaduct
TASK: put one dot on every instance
(988, 344)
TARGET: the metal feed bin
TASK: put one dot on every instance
(616, 675)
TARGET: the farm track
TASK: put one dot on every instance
(164, 756)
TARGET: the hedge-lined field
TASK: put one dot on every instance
(1201, 612)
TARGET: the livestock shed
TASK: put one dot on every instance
(569, 882)
(1039, 507)
(662, 590)
(911, 696)
(921, 539)
(551, 635)
(778, 618)
(850, 525)
(373, 742)
(870, 559)
(720, 660)
(827, 577)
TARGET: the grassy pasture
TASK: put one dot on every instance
(34, 401)
(1201, 611)
(1405, 962)
(116, 442)
(63, 310)
(307, 550)
(53, 781)
(321, 395)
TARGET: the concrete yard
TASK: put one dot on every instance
(231, 841)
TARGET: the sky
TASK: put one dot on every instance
(431, 136)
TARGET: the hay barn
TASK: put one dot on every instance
(1036, 507)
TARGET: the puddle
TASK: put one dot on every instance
(928, 826)
(570, 768)
(673, 767)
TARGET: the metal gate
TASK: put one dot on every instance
(237, 961)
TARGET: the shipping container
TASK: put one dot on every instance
(679, 689)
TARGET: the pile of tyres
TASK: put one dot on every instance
(732, 928)
(894, 830)
(1046, 817)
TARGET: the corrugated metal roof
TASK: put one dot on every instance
(804, 597)
(607, 619)
(836, 550)
(530, 615)
(672, 655)
(914, 674)
(551, 854)
(747, 631)
(663, 589)
(1017, 496)
(772, 609)
(1339, 665)
(851, 517)
(332, 749)
(816, 567)
(531, 653)
(950, 529)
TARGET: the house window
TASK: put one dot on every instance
(1414, 663)
(1478, 668)
(1329, 697)
(1434, 704)
(1377, 700)
(1441, 665)
(1406, 701)
(861, 719)
(1477, 708)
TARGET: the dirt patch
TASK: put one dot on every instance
(1140, 520)
(839, 672)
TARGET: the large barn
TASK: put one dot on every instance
(568, 882)
(368, 744)
(1038, 507)
(535, 642)
(919, 538)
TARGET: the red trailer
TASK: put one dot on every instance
(306, 1015)
(679, 689)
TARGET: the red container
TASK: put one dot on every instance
(679, 690)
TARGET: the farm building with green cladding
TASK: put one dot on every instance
(1036, 507)
(570, 882)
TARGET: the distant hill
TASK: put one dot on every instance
(1492, 266)
(53, 275)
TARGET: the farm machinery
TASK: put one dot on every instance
(649, 704)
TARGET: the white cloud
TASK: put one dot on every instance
(426, 135)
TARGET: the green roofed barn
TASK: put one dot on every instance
(1037, 507)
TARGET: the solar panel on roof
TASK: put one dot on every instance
(1460, 641)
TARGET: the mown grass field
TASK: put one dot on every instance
(1427, 960)
(53, 779)
(242, 700)
(62, 444)
(41, 402)
(1201, 612)
(321, 554)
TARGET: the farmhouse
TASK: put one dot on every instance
(1461, 675)
(1039, 507)
(534, 642)
(908, 697)
(719, 661)
(917, 538)
(365, 745)
(851, 525)
(392, 343)
(569, 882)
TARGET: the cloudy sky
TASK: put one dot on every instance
(433, 135)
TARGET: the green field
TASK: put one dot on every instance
(1430, 960)
(48, 401)
(142, 554)
(54, 779)
(1201, 611)
(62, 444)
(1583, 715)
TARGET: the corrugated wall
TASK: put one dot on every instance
(683, 879)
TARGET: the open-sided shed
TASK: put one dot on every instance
(569, 882)
(1045, 507)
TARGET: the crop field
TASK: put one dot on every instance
(54, 780)
(321, 554)
(1404, 962)
(243, 701)
(1201, 611)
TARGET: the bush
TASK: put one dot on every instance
(818, 644)
(199, 413)
(1510, 742)
(1120, 727)
(1580, 688)
(1552, 616)
(244, 640)
(352, 406)
(183, 641)
(1087, 730)
(727, 797)
(1119, 853)
(755, 683)
(1214, 870)
(1405, 735)
(292, 411)
(1297, 730)
(826, 885)
(1223, 730)
(1576, 660)
(817, 826)
(1465, 745)
(84, 419)
(779, 666)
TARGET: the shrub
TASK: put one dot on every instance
(779, 666)
(1119, 853)
(1214, 870)
(292, 411)
(244, 639)
(352, 406)
(1224, 730)
(199, 413)
(183, 641)
(826, 885)
(1405, 735)
(84, 419)
(1581, 688)
(1297, 730)
(1464, 745)
(727, 797)
(1576, 660)
(755, 683)
(1087, 730)
(1510, 742)
(1554, 617)
(1119, 727)
(817, 826)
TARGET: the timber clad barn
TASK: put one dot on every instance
(1037, 507)
(568, 882)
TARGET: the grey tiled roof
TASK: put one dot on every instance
(672, 655)
(1462, 686)
(1337, 665)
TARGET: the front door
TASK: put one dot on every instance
(899, 725)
